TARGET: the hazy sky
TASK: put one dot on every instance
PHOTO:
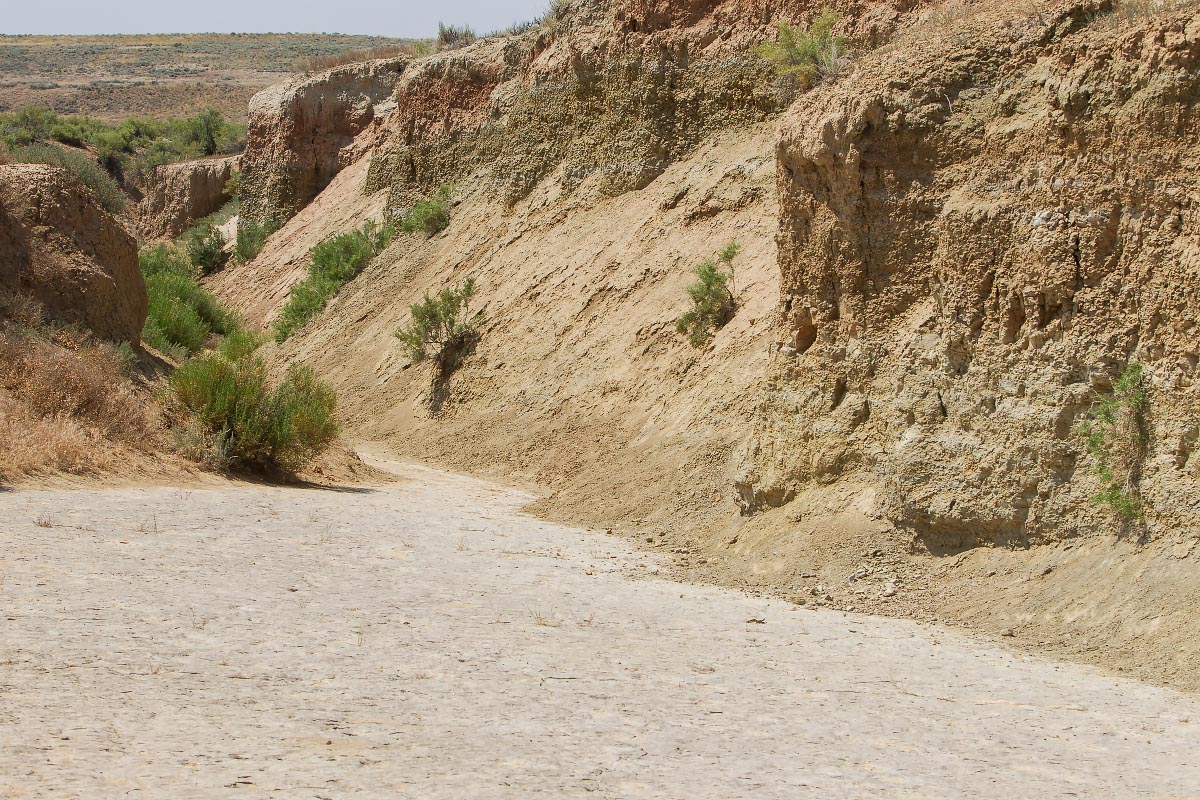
(375, 17)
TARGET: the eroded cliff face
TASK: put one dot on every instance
(298, 130)
(179, 194)
(60, 247)
(980, 227)
(616, 90)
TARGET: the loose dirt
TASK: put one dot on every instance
(428, 639)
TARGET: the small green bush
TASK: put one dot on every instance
(255, 425)
(206, 249)
(806, 54)
(713, 295)
(81, 167)
(333, 264)
(440, 328)
(240, 343)
(431, 215)
(1113, 437)
(181, 315)
(251, 237)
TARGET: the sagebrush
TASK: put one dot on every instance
(250, 423)
(430, 215)
(441, 328)
(713, 295)
(806, 54)
(81, 167)
(251, 237)
(206, 248)
(332, 264)
(181, 315)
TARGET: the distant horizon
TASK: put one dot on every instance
(400, 20)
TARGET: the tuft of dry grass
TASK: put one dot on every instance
(67, 403)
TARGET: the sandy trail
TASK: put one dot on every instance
(427, 640)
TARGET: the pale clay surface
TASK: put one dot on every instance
(427, 640)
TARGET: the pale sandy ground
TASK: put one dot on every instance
(427, 640)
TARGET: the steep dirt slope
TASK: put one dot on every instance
(580, 381)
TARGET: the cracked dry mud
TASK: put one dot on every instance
(428, 640)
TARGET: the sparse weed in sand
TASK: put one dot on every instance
(543, 620)
(1114, 436)
(44, 521)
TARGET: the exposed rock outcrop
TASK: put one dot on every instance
(612, 89)
(298, 130)
(58, 245)
(179, 194)
(979, 230)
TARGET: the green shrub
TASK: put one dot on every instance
(440, 328)
(128, 148)
(430, 216)
(181, 316)
(239, 344)
(806, 54)
(255, 425)
(333, 263)
(81, 167)
(713, 295)
(233, 186)
(1113, 437)
(26, 126)
(251, 237)
(206, 249)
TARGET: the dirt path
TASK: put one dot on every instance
(426, 640)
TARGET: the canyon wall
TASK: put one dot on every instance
(60, 247)
(981, 227)
(298, 130)
(177, 195)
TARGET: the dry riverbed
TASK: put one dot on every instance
(427, 640)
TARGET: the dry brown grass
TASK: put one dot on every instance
(67, 403)
(328, 62)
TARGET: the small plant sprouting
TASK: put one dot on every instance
(714, 297)
(441, 329)
(807, 54)
(1113, 437)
